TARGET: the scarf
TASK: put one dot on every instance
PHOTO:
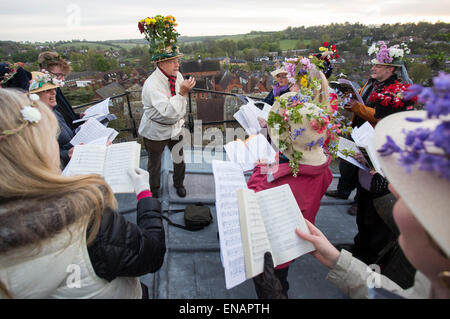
(277, 89)
(172, 80)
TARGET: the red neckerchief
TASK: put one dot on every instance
(172, 80)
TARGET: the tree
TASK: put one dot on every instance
(420, 73)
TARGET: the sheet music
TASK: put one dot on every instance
(119, 158)
(237, 152)
(251, 113)
(363, 137)
(260, 148)
(248, 153)
(350, 146)
(229, 178)
(86, 159)
(348, 84)
(255, 238)
(92, 130)
(239, 116)
(99, 141)
(282, 216)
(101, 108)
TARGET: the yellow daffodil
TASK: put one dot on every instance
(322, 49)
(304, 81)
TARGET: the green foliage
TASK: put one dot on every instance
(78, 96)
(420, 73)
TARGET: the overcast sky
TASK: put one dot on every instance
(31, 20)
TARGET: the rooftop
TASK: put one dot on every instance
(192, 268)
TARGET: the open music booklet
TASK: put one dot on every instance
(363, 137)
(247, 152)
(347, 88)
(248, 114)
(268, 220)
(111, 162)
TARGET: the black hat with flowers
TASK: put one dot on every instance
(12, 75)
(160, 32)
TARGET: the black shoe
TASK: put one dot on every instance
(155, 194)
(347, 247)
(181, 191)
(336, 194)
(353, 210)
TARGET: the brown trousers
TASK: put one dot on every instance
(155, 150)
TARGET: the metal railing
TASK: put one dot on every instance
(133, 129)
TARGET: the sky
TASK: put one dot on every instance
(39, 21)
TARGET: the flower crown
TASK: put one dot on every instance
(160, 32)
(428, 149)
(392, 55)
(13, 68)
(30, 115)
(326, 120)
(39, 80)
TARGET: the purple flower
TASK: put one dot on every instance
(320, 141)
(412, 91)
(311, 144)
(389, 147)
(414, 119)
(441, 137)
(427, 162)
(442, 82)
(297, 133)
(408, 160)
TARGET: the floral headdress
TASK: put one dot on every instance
(296, 115)
(324, 59)
(30, 115)
(13, 68)
(43, 81)
(162, 36)
(388, 56)
(428, 149)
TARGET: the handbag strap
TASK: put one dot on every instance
(190, 228)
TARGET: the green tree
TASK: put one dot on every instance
(420, 73)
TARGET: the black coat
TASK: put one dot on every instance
(124, 249)
(65, 136)
(66, 110)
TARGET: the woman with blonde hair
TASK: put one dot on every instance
(60, 236)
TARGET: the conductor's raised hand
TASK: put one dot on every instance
(186, 86)
(325, 252)
(140, 180)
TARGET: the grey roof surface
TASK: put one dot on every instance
(192, 268)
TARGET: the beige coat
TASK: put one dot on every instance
(163, 116)
(353, 277)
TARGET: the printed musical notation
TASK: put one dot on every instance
(228, 179)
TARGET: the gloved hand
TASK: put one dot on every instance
(140, 180)
(267, 285)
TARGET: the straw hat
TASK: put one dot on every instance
(42, 82)
(278, 71)
(313, 155)
(425, 193)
